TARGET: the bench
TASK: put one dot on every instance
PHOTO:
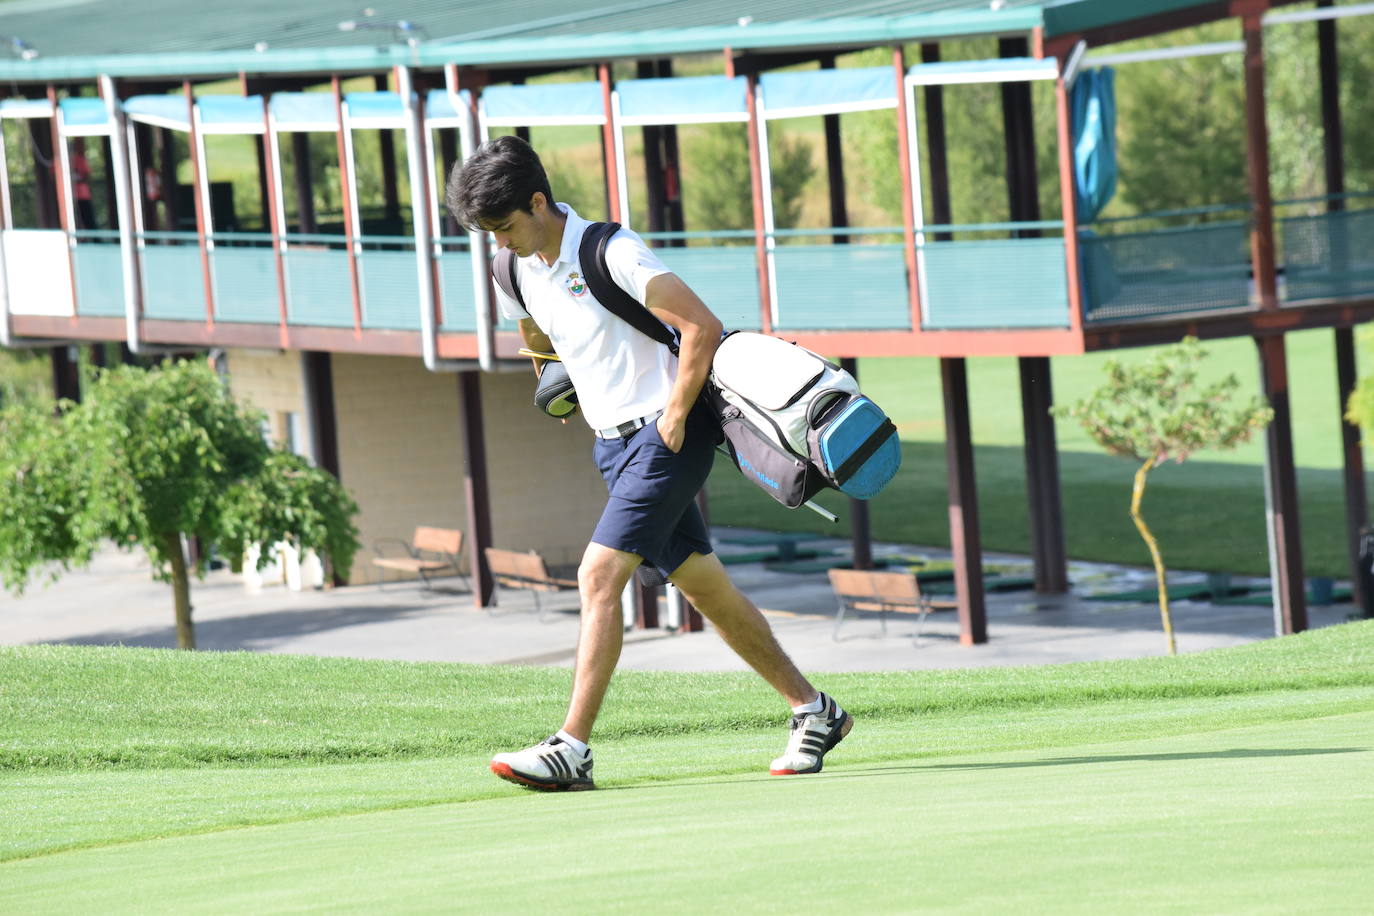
(429, 551)
(869, 590)
(527, 571)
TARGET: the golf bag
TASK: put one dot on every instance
(795, 424)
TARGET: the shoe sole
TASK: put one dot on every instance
(835, 738)
(504, 771)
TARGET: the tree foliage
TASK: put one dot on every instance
(152, 457)
(1159, 411)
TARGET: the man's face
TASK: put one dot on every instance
(521, 232)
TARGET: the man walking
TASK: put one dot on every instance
(655, 445)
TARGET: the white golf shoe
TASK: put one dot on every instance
(551, 765)
(813, 734)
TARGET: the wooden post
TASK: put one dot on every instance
(1281, 492)
(913, 280)
(608, 146)
(834, 166)
(756, 184)
(964, 533)
(348, 188)
(475, 487)
(305, 195)
(1356, 499)
(656, 200)
(861, 532)
(1018, 120)
(204, 220)
(387, 143)
(1042, 476)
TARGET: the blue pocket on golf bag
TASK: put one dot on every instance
(856, 447)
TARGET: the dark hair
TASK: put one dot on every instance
(498, 178)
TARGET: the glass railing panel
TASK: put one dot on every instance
(454, 266)
(99, 274)
(245, 271)
(721, 268)
(390, 282)
(319, 291)
(860, 285)
(995, 283)
(173, 276)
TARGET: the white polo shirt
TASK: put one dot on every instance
(620, 373)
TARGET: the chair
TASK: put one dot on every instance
(512, 569)
(871, 590)
(430, 550)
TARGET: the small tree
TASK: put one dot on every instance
(152, 457)
(1157, 411)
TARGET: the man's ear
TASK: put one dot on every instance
(537, 202)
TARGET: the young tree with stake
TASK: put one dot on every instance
(1158, 411)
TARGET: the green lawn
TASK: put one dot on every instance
(1233, 780)
(1207, 513)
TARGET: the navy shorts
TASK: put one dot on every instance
(652, 509)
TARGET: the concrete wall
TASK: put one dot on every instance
(401, 452)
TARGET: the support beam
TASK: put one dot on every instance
(1329, 66)
(1257, 161)
(1042, 477)
(834, 166)
(672, 172)
(965, 537)
(391, 200)
(941, 211)
(66, 374)
(1018, 120)
(475, 487)
(656, 200)
(318, 375)
(861, 530)
(1356, 498)
(1281, 492)
(305, 193)
(44, 182)
(167, 177)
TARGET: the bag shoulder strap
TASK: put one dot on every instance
(592, 255)
(503, 268)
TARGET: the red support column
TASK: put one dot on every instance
(62, 187)
(203, 222)
(613, 203)
(1281, 491)
(756, 184)
(1257, 154)
(908, 183)
(348, 189)
(276, 219)
(1069, 204)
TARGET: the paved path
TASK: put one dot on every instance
(116, 602)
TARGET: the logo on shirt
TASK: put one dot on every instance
(576, 285)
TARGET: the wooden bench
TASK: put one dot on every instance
(527, 571)
(869, 590)
(429, 551)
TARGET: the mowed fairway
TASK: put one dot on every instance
(1233, 781)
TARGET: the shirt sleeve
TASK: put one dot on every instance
(510, 309)
(632, 263)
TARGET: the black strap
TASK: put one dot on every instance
(503, 272)
(592, 255)
(864, 452)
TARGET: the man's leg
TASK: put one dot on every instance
(601, 578)
(703, 579)
(818, 723)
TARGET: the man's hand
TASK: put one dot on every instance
(672, 432)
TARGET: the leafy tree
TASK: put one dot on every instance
(1158, 411)
(149, 458)
(717, 188)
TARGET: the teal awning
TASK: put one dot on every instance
(231, 114)
(304, 111)
(544, 103)
(813, 92)
(160, 110)
(375, 109)
(84, 116)
(993, 70)
(683, 100)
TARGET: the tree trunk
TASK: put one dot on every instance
(181, 592)
(1136, 493)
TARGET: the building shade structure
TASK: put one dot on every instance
(809, 276)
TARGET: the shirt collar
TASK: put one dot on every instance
(572, 237)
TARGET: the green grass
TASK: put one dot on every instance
(1208, 513)
(132, 779)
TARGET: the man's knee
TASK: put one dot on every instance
(703, 580)
(603, 572)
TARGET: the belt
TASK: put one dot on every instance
(629, 426)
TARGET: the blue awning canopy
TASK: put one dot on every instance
(25, 108)
(544, 103)
(383, 110)
(683, 100)
(1093, 118)
(169, 111)
(231, 114)
(817, 92)
(994, 70)
(304, 111)
(84, 116)
(441, 109)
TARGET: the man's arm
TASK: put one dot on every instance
(674, 303)
(535, 339)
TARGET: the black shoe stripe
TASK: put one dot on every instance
(554, 762)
